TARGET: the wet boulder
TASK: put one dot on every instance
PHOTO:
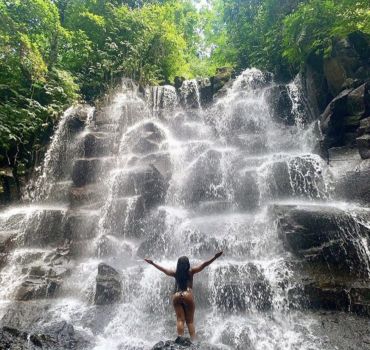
(364, 127)
(246, 191)
(254, 79)
(204, 179)
(44, 281)
(7, 242)
(24, 316)
(144, 139)
(236, 339)
(77, 119)
(12, 338)
(278, 180)
(108, 285)
(145, 181)
(58, 258)
(178, 82)
(321, 292)
(64, 336)
(333, 120)
(37, 288)
(280, 104)
(241, 287)
(189, 94)
(325, 236)
(359, 100)
(124, 216)
(86, 194)
(223, 75)
(59, 335)
(360, 299)
(154, 228)
(205, 91)
(161, 162)
(75, 124)
(98, 144)
(363, 145)
(145, 146)
(85, 171)
(305, 177)
(326, 296)
(45, 227)
(80, 225)
(240, 120)
(354, 184)
(161, 97)
(251, 143)
(212, 207)
(341, 121)
(178, 344)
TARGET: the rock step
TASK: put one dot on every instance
(144, 181)
(354, 186)
(109, 128)
(258, 180)
(88, 194)
(81, 225)
(45, 227)
(40, 272)
(209, 207)
(89, 170)
(60, 191)
(335, 295)
(108, 288)
(363, 145)
(99, 144)
(55, 336)
(7, 243)
(52, 227)
(329, 237)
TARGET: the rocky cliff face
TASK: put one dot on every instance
(337, 95)
(337, 92)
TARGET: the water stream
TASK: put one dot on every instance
(172, 179)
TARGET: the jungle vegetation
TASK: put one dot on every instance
(55, 52)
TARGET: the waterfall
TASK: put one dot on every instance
(155, 175)
(58, 160)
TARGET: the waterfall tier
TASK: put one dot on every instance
(157, 175)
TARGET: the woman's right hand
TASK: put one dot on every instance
(149, 261)
(218, 254)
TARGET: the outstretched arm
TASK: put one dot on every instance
(168, 272)
(200, 267)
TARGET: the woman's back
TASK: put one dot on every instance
(189, 283)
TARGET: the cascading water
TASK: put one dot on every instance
(154, 179)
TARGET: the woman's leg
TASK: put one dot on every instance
(189, 313)
(180, 314)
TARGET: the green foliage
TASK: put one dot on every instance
(53, 52)
(311, 27)
(278, 35)
(32, 92)
(254, 32)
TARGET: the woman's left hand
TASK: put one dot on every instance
(218, 254)
(149, 261)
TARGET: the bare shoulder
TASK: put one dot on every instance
(192, 271)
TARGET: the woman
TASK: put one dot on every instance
(183, 300)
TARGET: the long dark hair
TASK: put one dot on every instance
(182, 272)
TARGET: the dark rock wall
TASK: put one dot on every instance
(338, 93)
